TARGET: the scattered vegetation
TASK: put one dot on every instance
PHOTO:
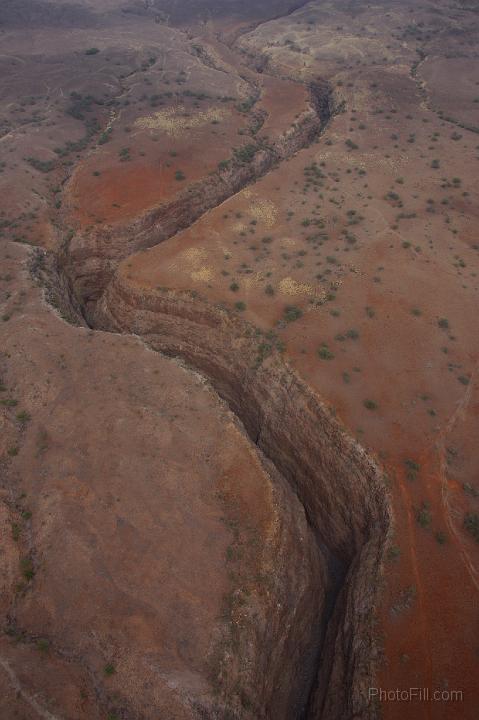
(471, 524)
(412, 469)
(291, 313)
(325, 353)
(423, 516)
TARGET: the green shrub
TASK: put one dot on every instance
(23, 417)
(423, 516)
(412, 469)
(245, 154)
(26, 566)
(325, 353)
(291, 313)
(43, 645)
(471, 524)
(44, 166)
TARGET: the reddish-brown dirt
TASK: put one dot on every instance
(122, 190)
(355, 258)
(131, 539)
(396, 361)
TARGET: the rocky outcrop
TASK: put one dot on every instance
(339, 486)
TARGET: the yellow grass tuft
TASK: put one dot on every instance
(204, 274)
(174, 121)
(288, 286)
(264, 211)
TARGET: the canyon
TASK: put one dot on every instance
(197, 521)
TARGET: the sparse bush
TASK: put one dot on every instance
(394, 552)
(104, 137)
(325, 353)
(423, 516)
(23, 417)
(9, 402)
(245, 154)
(44, 166)
(26, 566)
(412, 469)
(470, 490)
(43, 645)
(471, 524)
(441, 537)
(291, 313)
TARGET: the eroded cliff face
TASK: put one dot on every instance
(339, 486)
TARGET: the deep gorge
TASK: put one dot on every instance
(338, 484)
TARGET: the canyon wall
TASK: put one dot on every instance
(340, 487)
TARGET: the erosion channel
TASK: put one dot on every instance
(339, 486)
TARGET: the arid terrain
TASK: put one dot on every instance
(239, 360)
